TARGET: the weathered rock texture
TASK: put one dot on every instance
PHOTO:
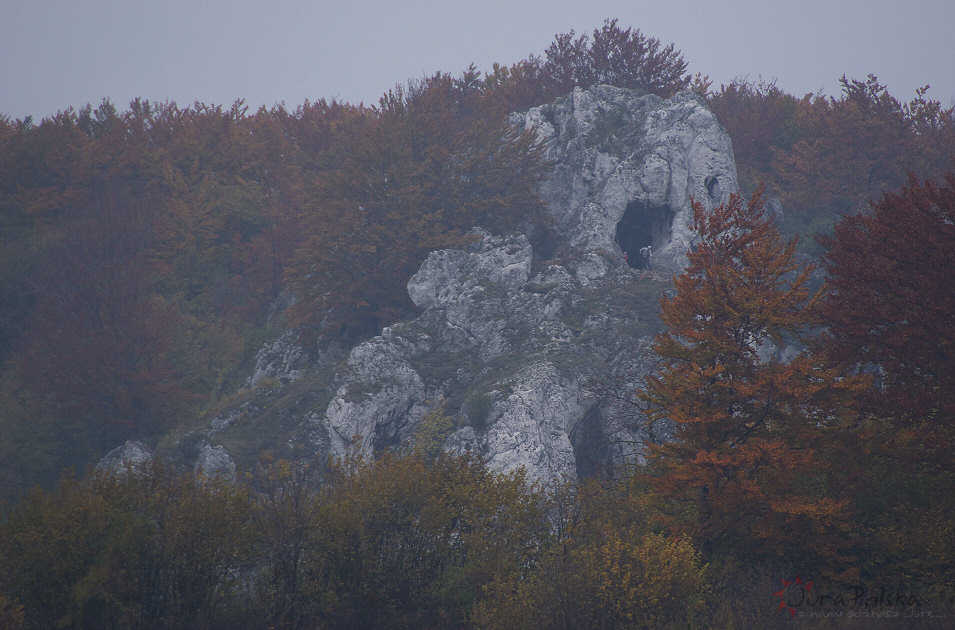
(511, 357)
(283, 359)
(623, 156)
(521, 354)
(131, 455)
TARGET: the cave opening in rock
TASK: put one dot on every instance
(591, 449)
(643, 225)
(713, 188)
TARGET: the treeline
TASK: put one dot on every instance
(825, 157)
(812, 451)
(404, 541)
(140, 251)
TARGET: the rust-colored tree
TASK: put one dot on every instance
(892, 311)
(367, 224)
(854, 148)
(43, 172)
(612, 55)
(273, 162)
(755, 413)
(759, 117)
(823, 156)
(94, 354)
(408, 177)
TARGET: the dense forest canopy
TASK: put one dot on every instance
(142, 251)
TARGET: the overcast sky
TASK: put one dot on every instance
(60, 53)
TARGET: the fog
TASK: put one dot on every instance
(62, 53)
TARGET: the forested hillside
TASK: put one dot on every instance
(143, 251)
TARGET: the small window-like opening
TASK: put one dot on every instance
(643, 226)
(712, 184)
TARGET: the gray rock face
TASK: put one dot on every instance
(445, 273)
(536, 363)
(532, 427)
(283, 359)
(381, 396)
(214, 461)
(129, 456)
(507, 355)
(634, 161)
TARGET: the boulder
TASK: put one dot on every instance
(129, 456)
(214, 461)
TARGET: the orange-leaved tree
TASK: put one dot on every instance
(755, 413)
(852, 149)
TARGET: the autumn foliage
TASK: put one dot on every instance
(611, 55)
(142, 250)
(755, 411)
(407, 178)
(146, 254)
(825, 156)
(890, 313)
(404, 541)
(892, 308)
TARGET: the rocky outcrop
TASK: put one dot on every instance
(627, 166)
(534, 361)
(283, 359)
(215, 461)
(381, 394)
(129, 456)
(510, 356)
(519, 358)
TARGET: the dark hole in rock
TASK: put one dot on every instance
(543, 243)
(712, 184)
(642, 226)
(591, 450)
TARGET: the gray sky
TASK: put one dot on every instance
(60, 53)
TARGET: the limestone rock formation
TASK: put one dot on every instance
(509, 356)
(283, 359)
(535, 361)
(214, 461)
(130, 455)
(627, 166)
